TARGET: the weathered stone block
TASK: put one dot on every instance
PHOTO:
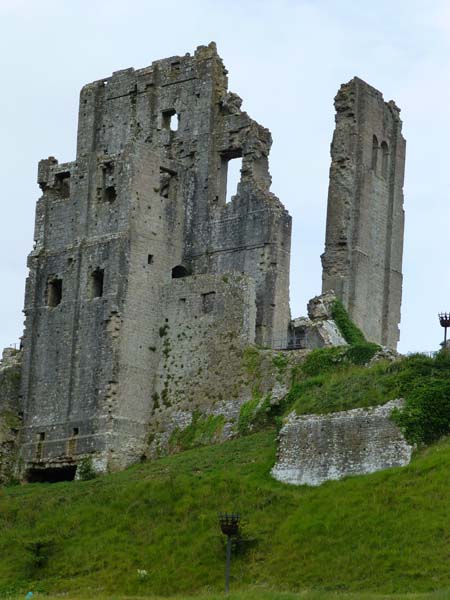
(317, 448)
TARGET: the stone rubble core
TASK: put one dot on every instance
(313, 449)
(362, 261)
(318, 330)
(147, 287)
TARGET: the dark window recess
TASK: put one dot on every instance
(175, 67)
(179, 271)
(374, 153)
(75, 431)
(170, 120)
(97, 278)
(208, 301)
(109, 193)
(150, 259)
(54, 291)
(62, 184)
(167, 183)
(230, 174)
(384, 159)
(51, 475)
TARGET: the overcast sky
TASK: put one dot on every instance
(286, 59)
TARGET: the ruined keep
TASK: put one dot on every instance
(362, 261)
(135, 235)
(147, 290)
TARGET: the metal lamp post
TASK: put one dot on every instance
(229, 524)
(444, 320)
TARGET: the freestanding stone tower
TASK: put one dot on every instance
(362, 261)
(138, 256)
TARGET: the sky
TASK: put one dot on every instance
(286, 59)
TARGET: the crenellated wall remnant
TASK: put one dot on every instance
(362, 261)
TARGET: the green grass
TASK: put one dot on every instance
(260, 594)
(387, 532)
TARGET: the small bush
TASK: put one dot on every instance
(85, 470)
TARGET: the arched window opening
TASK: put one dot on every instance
(384, 159)
(179, 271)
(374, 153)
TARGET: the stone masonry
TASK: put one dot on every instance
(142, 207)
(317, 448)
(362, 261)
(148, 291)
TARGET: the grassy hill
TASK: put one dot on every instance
(386, 532)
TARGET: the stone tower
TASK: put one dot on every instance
(362, 261)
(118, 231)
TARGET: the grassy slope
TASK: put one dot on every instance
(386, 532)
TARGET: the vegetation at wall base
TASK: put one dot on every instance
(386, 532)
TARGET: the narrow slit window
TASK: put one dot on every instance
(374, 153)
(97, 278)
(384, 159)
(150, 259)
(54, 291)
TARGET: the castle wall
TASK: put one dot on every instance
(143, 202)
(362, 261)
(209, 321)
(317, 448)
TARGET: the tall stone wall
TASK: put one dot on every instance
(362, 261)
(142, 205)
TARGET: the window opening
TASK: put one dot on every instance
(384, 159)
(62, 183)
(179, 271)
(230, 174)
(374, 153)
(109, 193)
(97, 278)
(150, 259)
(170, 120)
(54, 291)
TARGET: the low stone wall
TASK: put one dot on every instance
(317, 448)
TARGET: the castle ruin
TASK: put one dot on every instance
(362, 262)
(146, 287)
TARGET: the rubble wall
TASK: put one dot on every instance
(317, 448)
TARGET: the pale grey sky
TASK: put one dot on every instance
(286, 59)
